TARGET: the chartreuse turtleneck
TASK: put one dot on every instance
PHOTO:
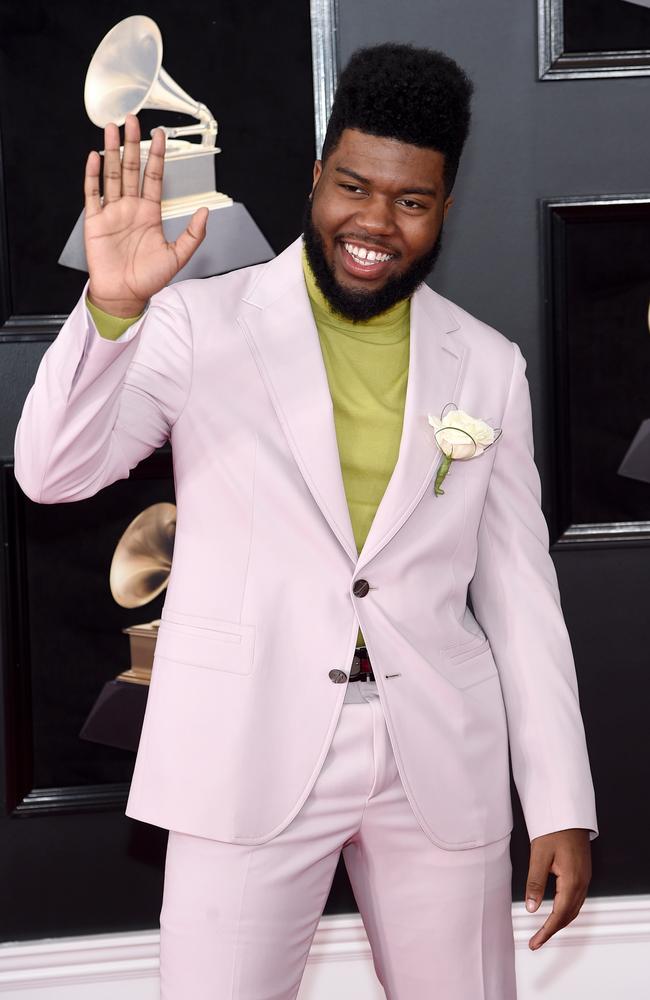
(367, 371)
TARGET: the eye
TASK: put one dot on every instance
(409, 203)
(353, 188)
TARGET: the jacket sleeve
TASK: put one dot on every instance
(99, 406)
(515, 597)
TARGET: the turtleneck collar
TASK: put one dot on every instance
(388, 327)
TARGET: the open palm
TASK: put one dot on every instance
(128, 257)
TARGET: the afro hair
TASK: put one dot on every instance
(402, 92)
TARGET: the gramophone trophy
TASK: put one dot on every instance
(125, 76)
(139, 572)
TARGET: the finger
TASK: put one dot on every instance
(131, 157)
(547, 930)
(566, 907)
(191, 237)
(93, 203)
(112, 166)
(553, 923)
(538, 870)
(153, 171)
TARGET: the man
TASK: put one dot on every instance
(303, 399)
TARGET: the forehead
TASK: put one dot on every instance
(386, 161)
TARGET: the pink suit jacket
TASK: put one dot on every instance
(260, 608)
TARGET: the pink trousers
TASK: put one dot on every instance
(237, 921)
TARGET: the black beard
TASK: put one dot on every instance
(356, 305)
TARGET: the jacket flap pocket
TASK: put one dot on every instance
(466, 650)
(468, 664)
(216, 645)
(472, 644)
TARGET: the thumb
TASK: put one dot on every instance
(191, 237)
(538, 870)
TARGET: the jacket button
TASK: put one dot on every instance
(338, 676)
(360, 588)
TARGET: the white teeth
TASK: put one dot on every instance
(366, 257)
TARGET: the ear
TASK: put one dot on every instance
(447, 205)
(318, 170)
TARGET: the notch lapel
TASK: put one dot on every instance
(278, 323)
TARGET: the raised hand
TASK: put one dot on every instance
(128, 257)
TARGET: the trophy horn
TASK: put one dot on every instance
(143, 556)
(126, 75)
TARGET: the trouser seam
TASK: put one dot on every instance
(374, 760)
(237, 964)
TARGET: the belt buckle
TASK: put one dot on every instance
(356, 667)
(356, 673)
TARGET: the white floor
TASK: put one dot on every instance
(603, 955)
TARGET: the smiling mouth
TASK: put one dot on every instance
(359, 259)
(366, 255)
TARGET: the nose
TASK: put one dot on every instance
(375, 216)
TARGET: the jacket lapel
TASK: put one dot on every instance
(278, 323)
(277, 320)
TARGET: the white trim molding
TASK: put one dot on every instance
(602, 920)
(605, 952)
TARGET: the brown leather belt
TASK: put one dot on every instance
(361, 669)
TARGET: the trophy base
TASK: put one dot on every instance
(636, 460)
(233, 240)
(116, 717)
(136, 675)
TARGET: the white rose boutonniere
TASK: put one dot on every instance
(460, 436)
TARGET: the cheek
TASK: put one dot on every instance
(328, 228)
(321, 219)
(329, 216)
(421, 238)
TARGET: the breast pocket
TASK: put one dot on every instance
(213, 645)
(468, 662)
